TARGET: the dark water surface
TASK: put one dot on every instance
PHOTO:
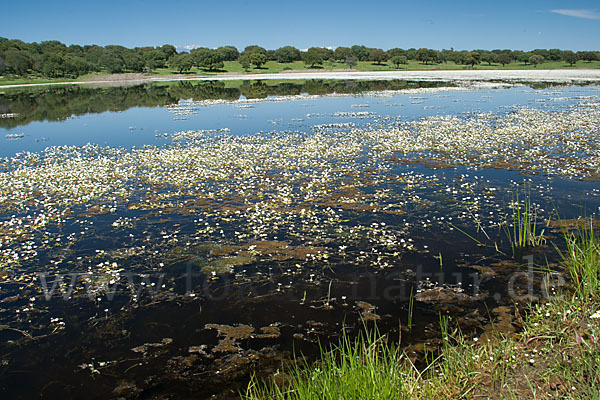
(142, 262)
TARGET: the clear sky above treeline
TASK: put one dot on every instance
(437, 24)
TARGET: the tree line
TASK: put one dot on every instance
(54, 59)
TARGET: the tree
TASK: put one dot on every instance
(427, 55)
(3, 65)
(287, 54)
(341, 53)
(411, 54)
(588, 56)
(112, 63)
(555, 54)
(360, 52)
(326, 54)
(93, 53)
(446, 55)
(75, 50)
(75, 66)
(541, 52)
(18, 61)
(396, 52)
(312, 57)
(244, 60)
(459, 57)
(536, 59)
(207, 59)
(504, 58)
(53, 65)
(434, 55)
(258, 59)
(351, 61)
(53, 46)
(133, 61)
(155, 59)
(182, 62)
(569, 57)
(397, 60)
(115, 49)
(422, 55)
(271, 55)
(228, 53)
(168, 50)
(488, 57)
(522, 56)
(472, 58)
(378, 55)
(254, 49)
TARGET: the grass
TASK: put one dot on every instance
(523, 221)
(556, 354)
(272, 67)
(366, 368)
(411, 302)
(565, 340)
(582, 259)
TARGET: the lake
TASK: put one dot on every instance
(174, 239)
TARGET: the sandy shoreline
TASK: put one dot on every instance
(516, 76)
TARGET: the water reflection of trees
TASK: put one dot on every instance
(59, 103)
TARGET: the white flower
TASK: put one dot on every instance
(595, 315)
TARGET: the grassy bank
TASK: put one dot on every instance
(555, 355)
(272, 67)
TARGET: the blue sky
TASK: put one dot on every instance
(458, 24)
